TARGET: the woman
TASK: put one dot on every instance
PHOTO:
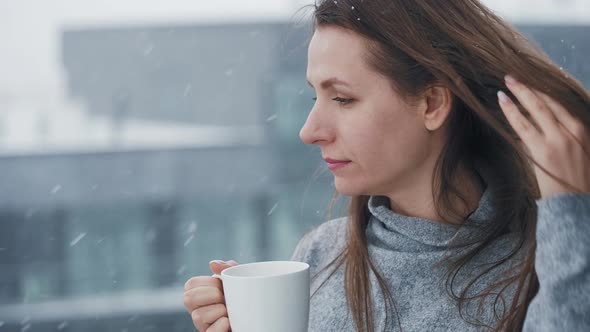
(466, 154)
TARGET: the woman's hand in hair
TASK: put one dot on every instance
(558, 142)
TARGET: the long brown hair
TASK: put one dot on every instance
(462, 45)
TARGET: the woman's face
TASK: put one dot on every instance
(360, 120)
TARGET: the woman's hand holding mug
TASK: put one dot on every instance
(205, 301)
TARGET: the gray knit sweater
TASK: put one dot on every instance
(405, 249)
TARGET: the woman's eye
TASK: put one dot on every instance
(343, 101)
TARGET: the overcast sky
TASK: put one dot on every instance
(29, 29)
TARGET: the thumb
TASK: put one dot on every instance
(217, 266)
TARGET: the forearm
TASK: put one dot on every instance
(562, 263)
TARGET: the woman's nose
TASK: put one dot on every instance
(315, 130)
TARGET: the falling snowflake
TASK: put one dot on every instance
(188, 89)
(77, 239)
(192, 227)
(30, 213)
(273, 209)
(56, 189)
(148, 50)
(190, 238)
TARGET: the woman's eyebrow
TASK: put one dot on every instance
(330, 82)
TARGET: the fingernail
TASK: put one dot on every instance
(503, 97)
(509, 80)
(217, 261)
(232, 261)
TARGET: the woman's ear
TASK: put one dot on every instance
(436, 107)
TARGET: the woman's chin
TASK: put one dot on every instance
(346, 188)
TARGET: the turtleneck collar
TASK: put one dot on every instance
(405, 233)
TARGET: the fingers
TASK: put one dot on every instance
(571, 124)
(554, 121)
(205, 301)
(536, 106)
(202, 296)
(202, 281)
(204, 317)
(221, 325)
(218, 266)
(525, 130)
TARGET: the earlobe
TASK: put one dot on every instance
(438, 106)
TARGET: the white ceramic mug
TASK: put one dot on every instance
(267, 296)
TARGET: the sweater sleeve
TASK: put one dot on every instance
(562, 263)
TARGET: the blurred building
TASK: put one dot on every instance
(187, 150)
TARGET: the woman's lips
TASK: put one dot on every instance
(334, 164)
